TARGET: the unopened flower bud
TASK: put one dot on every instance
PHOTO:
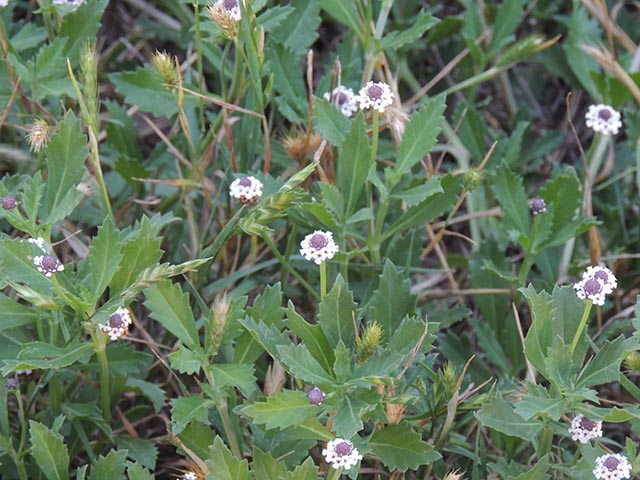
(472, 179)
(632, 362)
(315, 396)
(9, 202)
(12, 383)
(537, 205)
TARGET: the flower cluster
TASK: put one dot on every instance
(118, 324)
(537, 205)
(315, 396)
(584, 429)
(231, 7)
(595, 284)
(246, 189)
(9, 202)
(603, 119)
(375, 95)
(318, 247)
(341, 453)
(612, 467)
(344, 98)
(48, 264)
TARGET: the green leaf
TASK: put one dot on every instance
(49, 451)
(540, 334)
(110, 467)
(353, 164)
(605, 366)
(498, 415)
(268, 336)
(185, 361)
(81, 26)
(141, 450)
(307, 471)
(135, 471)
(189, 408)
(302, 365)
(265, 467)
(312, 336)
(399, 447)
(533, 406)
(41, 355)
(401, 37)
(330, 122)
(282, 410)
(508, 189)
(347, 420)
(338, 313)
(301, 27)
(104, 257)
(14, 314)
(235, 375)
(17, 264)
(170, 306)
(223, 465)
(65, 154)
(414, 195)
(344, 12)
(538, 471)
(288, 82)
(150, 390)
(563, 192)
(393, 300)
(272, 18)
(506, 22)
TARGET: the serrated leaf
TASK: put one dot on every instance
(170, 306)
(344, 12)
(264, 466)
(66, 153)
(508, 189)
(14, 314)
(532, 406)
(540, 334)
(353, 164)
(508, 18)
(498, 415)
(346, 421)
(273, 17)
(235, 375)
(282, 410)
(338, 313)
(414, 195)
(41, 355)
(135, 471)
(81, 26)
(141, 450)
(312, 336)
(330, 122)
(268, 336)
(288, 82)
(17, 264)
(104, 257)
(392, 301)
(604, 367)
(399, 447)
(307, 471)
(302, 365)
(187, 409)
(342, 364)
(49, 451)
(401, 37)
(302, 27)
(223, 465)
(110, 467)
(538, 471)
(153, 392)
(184, 361)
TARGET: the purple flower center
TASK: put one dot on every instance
(611, 463)
(49, 263)
(604, 114)
(245, 182)
(342, 98)
(318, 241)
(537, 205)
(374, 92)
(315, 396)
(8, 202)
(587, 424)
(592, 287)
(344, 448)
(601, 275)
(230, 4)
(116, 321)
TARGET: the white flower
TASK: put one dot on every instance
(341, 453)
(232, 8)
(584, 429)
(38, 242)
(118, 324)
(603, 119)
(190, 476)
(612, 467)
(48, 264)
(318, 246)
(4, 3)
(70, 3)
(595, 284)
(344, 98)
(375, 95)
(246, 189)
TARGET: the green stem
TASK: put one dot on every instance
(374, 136)
(23, 423)
(583, 323)
(476, 79)
(97, 170)
(530, 254)
(223, 410)
(196, 10)
(545, 443)
(323, 280)
(596, 154)
(100, 346)
(334, 473)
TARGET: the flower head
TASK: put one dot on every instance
(118, 324)
(341, 453)
(9, 202)
(38, 135)
(375, 95)
(603, 119)
(165, 65)
(344, 98)
(315, 396)
(231, 7)
(48, 264)
(595, 284)
(537, 206)
(612, 467)
(318, 246)
(584, 429)
(190, 476)
(246, 189)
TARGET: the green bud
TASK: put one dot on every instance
(632, 362)
(472, 179)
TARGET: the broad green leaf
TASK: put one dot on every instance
(49, 451)
(338, 315)
(223, 465)
(302, 27)
(508, 189)
(307, 471)
(268, 336)
(264, 466)
(383, 363)
(353, 164)
(300, 363)
(604, 367)
(16, 260)
(288, 82)
(282, 410)
(312, 336)
(392, 301)
(153, 392)
(81, 26)
(532, 406)
(342, 363)
(185, 361)
(41, 355)
(330, 122)
(65, 154)
(170, 306)
(273, 17)
(347, 421)
(310, 429)
(567, 313)
(267, 307)
(399, 447)
(508, 18)
(141, 450)
(344, 12)
(104, 257)
(235, 375)
(538, 471)
(414, 195)
(540, 334)
(401, 37)
(135, 471)
(563, 192)
(498, 415)
(14, 314)
(110, 467)
(189, 408)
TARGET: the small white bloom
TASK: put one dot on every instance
(612, 467)
(603, 119)
(118, 324)
(375, 95)
(232, 8)
(318, 246)
(603, 274)
(341, 453)
(246, 189)
(344, 98)
(595, 284)
(38, 242)
(4, 3)
(69, 3)
(584, 429)
(48, 264)
(190, 476)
